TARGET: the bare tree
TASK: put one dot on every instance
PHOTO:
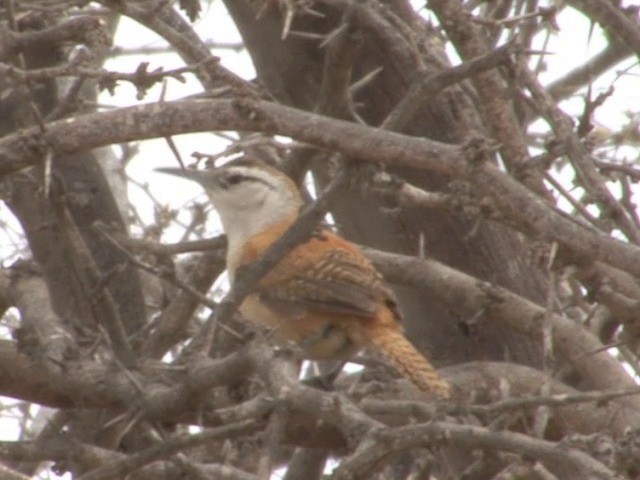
(513, 250)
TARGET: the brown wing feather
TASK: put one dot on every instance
(337, 278)
(327, 275)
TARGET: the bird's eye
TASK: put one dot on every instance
(235, 179)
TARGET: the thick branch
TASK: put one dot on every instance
(519, 205)
(42, 336)
(468, 296)
(125, 466)
(172, 322)
(94, 385)
(89, 457)
(379, 444)
(74, 29)
(519, 389)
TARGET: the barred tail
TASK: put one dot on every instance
(390, 341)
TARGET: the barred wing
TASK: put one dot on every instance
(337, 281)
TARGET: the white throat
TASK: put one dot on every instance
(240, 226)
(244, 220)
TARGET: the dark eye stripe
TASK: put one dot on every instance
(232, 179)
(236, 178)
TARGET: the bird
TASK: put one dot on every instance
(325, 295)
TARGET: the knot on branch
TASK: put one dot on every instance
(248, 109)
(598, 445)
(493, 295)
(31, 143)
(627, 453)
(543, 255)
(478, 148)
(388, 187)
(94, 33)
(465, 201)
(362, 177)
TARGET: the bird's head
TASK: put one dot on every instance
(249, 195)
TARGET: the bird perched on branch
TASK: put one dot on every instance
(324, 295)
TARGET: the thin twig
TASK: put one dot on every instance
(156, 248)
(554, 400)
(132, 463)
(428, 86)
(95, 283)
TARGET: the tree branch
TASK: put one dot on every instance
(429, 85)
(468, 296)
(99, 386)
(518, 204)
(123, 467)
(611, 18)
(379, 444)
(497, 108)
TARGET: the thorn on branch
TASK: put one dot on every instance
(546, 14)
(342, 46)
(585, 124)
(142, 79)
